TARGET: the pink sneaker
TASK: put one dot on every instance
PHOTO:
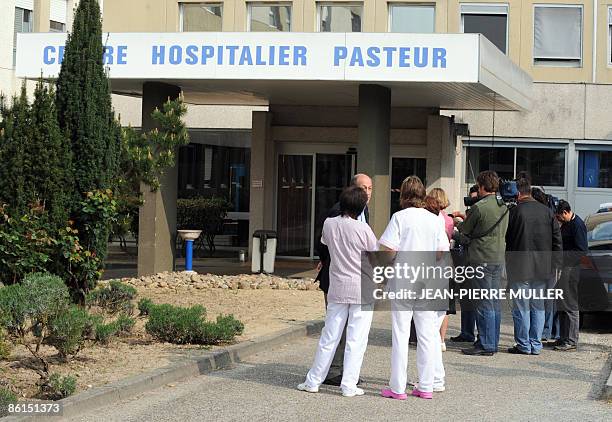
(388, 393)
(422, 394)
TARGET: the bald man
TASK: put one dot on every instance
(334, 376)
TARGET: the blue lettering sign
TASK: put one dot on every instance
(340, 53)
(283, 55)
(439, 57)
(121, 54)
(47, 52)
(159, 53)
(404, 56)
(190, 52)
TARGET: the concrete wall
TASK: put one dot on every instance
(560, 111)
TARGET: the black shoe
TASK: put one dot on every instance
(460, 339)
(552, 343)
(516, 351)
(565, 347)
(337, 380)
(476, 351)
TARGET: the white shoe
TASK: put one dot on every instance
(305, 387)
(443, 347)
(355, 392)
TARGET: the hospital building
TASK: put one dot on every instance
(288, 99)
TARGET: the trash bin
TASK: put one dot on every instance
(264, 251)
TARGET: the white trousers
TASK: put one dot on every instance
(429, 349)
(359, 319)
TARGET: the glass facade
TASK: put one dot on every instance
(500, 160)
(269, 17)
(401, 168)
(595, 169)
(216, 164)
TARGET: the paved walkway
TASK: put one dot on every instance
(553, 386)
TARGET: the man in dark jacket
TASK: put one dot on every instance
(532, 239)
(575, 245)
(334, 376)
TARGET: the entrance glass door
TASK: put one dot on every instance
(333, 173)
(402, 167)
(294, 205)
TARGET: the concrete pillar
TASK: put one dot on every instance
(261, 203)
(157, 217)
(42, 15)
(441, 158)
(373, 150)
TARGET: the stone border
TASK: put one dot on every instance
(607, 390)
(190, 367)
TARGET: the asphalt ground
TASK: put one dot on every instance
(555, 386)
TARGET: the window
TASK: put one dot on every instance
(595, 169)
(546, 166)
(413, 18)
(264, 17)
(58, 9)
(201, 17)
(23, 23)
(56, 26)
(490, 20)
(500, 160)
(340, 17)
(557, 35)
(402, 167)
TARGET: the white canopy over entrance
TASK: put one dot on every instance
(447, 71)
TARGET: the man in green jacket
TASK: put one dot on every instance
(486, 223)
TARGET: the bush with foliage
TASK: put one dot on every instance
(38, 311)
(113, 298)
(180, 325)
(59, 387)
(125, 324)
(203, 214)
(144, 306)
(6, 397)
(5, 346)
(104, 332)
(69, 330)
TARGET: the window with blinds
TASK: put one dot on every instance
(23, 23)
(557, 35)
(58, 16)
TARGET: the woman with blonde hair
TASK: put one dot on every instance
(414, 229)
(440, 196)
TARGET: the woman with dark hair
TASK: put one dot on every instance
(346, 238)
(414, 229)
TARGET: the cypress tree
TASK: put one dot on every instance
(85, 115)
(14, 134)
(47, 159)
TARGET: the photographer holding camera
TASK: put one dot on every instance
(484, 227)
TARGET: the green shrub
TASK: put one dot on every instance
(59, 387)
(225, 329)
(6, 397)
(116, 297)
(174, 324)
(5, 346)
(188, 326)
(145, 305)
(125, 323)
(203, 214)
(68, 331)
(104, 332)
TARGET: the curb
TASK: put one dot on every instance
(607, 390)
(190, 367)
